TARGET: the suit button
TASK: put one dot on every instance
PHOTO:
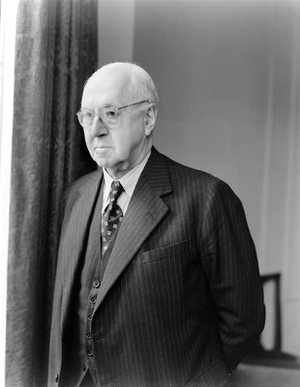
(56, 378)
(89, 317)
(93, 299)
(83, 367)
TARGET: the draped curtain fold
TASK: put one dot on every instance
(56, 50)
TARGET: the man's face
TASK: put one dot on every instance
(123, 146)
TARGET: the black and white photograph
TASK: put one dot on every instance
(150, 193)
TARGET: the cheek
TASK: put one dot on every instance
(88, 140)
(128, 141)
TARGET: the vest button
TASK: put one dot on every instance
(96, 283)
(88, 335)
(56, 378)
(83, 367)
(93, 299)
(90, 352)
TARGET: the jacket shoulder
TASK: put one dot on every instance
(201, 183)
(181, 171)
(82, 181)
(74, 188)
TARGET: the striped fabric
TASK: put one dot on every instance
(180, 301)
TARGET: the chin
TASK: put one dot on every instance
(103, 163)
(100, 162)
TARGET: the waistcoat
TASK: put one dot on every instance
(77, 337)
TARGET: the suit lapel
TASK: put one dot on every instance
(77, 227)
(145, 211)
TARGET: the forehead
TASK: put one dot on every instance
(106, 88)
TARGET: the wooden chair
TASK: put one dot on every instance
(274, 357)
(269, 367)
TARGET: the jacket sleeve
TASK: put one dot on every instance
(54, 362)
(231, 267)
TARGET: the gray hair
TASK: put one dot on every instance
(141, 85)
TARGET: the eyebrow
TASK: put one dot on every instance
(102, 107)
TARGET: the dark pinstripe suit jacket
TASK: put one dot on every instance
(181, 300)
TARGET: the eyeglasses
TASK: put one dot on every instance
(108, 115)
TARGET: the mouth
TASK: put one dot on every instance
(101, 149)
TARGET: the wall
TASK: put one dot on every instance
(116, 30)
(224, 76)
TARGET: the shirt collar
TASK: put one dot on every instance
(128, 181)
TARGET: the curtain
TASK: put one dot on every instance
(280, 215)
(291, 261)
(56, 50)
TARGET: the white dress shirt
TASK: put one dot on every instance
(128, 181)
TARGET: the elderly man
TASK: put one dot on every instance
(157, 280)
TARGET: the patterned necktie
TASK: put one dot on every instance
(112, 216)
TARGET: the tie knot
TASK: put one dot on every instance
(115, 190)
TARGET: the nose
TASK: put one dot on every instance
(98, 128)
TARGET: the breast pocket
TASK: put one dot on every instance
(166, 252)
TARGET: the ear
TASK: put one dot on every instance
(150, 119)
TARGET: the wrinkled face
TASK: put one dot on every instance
(123, 146)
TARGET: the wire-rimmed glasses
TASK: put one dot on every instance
(108, 115)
